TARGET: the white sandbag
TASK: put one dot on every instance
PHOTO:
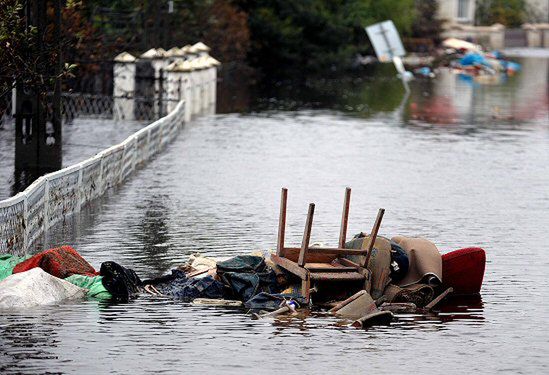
(36, 287)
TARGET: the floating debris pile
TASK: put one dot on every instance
(365, 280)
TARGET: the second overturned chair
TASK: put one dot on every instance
(322, 264)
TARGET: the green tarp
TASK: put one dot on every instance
(8, 262)
(93, 284)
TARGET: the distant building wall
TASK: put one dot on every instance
(457, 11)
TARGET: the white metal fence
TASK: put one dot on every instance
(25, 216)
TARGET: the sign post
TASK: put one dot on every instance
(388, 46)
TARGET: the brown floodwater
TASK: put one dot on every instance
(459, 162)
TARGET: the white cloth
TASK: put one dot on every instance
(36, 287)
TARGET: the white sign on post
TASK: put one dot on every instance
(386, 41)
(388, 46)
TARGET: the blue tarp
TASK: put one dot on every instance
(473, 58)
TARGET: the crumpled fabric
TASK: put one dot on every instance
(60, 262)
(271, 302)
(179, 286)
(247, 276)
(242, 263)
(8, 262)
(418, 294)
(93, 285)
(123, 283)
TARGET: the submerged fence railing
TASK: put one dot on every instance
(27, 215)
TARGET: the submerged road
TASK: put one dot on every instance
(458, 164)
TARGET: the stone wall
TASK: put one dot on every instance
(537, 35)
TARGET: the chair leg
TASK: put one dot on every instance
(373, 236)
(306, 236)
(344, 218)
(282, 222)
(306, 289)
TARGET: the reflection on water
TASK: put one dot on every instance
(443, 163)
(450, 98)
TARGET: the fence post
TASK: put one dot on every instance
(79, 198)
(25, 221)
(101, 183)
(121, 175)
(46, 203)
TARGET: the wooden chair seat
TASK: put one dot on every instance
(316, 264)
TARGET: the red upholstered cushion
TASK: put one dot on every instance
(60, 262)
(463, 270)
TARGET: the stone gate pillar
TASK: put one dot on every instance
(157, 57)
(124, 86)
(186, 88)
(195, 86)
(206, 83)
(213, 79)
(177, 80)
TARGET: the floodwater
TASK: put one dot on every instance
(82, 138)
(461, 163)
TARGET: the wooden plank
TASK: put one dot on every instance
(310, 265)
(340, 304)
(434, 302)
(327, 251)
(373, 236)
(282, 222)
(347, 262)
(306, 289)
(199, 272)
(344, 218)
(306, 235)
(336, 251)
(292, 253)
(336, 276)
(290, 266)
(330, 269)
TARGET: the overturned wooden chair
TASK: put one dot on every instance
(321, 264)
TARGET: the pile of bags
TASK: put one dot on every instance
(58, 274)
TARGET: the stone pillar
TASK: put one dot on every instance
(534, 35)
(178, 85)
(195, 86)
(159, 62)
(213, 71)
(497, 36)
(124, 86)
(186, 69)
(206, 83)
(173, 85)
